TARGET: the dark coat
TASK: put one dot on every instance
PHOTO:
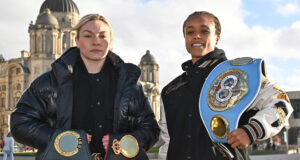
(188, 136)
(47, 105)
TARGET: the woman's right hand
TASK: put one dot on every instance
(89, 138)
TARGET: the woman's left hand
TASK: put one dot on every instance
(105, 141)
(238, 138)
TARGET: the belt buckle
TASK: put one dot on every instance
(96, 156)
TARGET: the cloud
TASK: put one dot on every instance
(293, 81)
(288, 9)
(264, 42)
(156, 25)
(15, 18)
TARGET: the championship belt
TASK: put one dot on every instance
(68, 145)
(227, 92)
(124, 147)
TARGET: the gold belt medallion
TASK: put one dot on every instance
(68, 143)
(128, 146)
(219, 126)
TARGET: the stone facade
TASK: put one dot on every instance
(50, 36)
(149, 80)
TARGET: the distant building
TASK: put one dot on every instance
(50, 36)
(149, 80)
(294, 130)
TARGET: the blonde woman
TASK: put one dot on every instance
(89, 88)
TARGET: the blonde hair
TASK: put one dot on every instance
(91, 17)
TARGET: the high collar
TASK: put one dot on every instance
(71, 55)
(63, 67)
(211, 57)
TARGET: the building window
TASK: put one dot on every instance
(18, 70)
(18, 86)
(150, 76)
(64, 44)
(296, 105)
(3, 88)
(36, 70)
(2, 102)
(145, 76)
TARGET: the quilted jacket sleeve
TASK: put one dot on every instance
(148, 131)
(136, 117)
(28, 122)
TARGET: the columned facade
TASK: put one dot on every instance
(150, 81)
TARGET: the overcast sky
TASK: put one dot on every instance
(268, 29)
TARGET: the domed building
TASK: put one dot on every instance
(149, 80)
(54, 27)
(50, 36)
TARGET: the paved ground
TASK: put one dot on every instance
(261, 157)
(277, 157)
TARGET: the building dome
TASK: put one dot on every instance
(46, 18)
(60, 6)
(148, 58)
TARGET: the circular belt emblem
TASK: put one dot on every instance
(227, 89)
(219, 126)
(68, 143)
(127, 146)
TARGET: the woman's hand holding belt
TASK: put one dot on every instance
(238, 138)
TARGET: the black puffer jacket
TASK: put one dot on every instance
(47, 105)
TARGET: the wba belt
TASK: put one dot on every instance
(227, 92)
(68, 145)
